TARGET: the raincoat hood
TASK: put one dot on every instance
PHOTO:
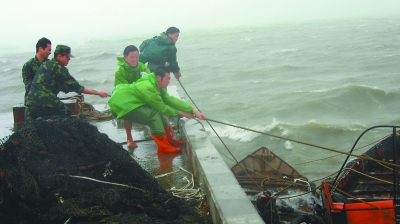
(122, 62)
(126, 74)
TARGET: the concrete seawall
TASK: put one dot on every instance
(227, 200)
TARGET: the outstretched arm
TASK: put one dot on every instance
(196, 113)
(94, 92)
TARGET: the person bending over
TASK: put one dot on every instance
(146, 101)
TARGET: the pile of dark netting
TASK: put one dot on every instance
(63, 170)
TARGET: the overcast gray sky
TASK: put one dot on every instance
(23, 22)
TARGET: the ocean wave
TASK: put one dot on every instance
(288, 145)
(283, 51)
(101, 55)
(351, 88)
(12, 70)
(286, 66)
(288, 135)
(89, 70)
(334, 128)
(242, 135)
(248, 39)
(379, 46)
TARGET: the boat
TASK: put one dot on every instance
(263, 169)
(366, 188)
(278, 191)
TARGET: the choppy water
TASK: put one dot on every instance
(322, 83)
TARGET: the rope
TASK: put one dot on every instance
(366, 175)
(88, 112)
(104, 182)
(226, 147)
(309, 144)
(315, 160)
(186, 192)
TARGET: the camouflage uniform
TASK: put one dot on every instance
(28, 72)
(51, 78)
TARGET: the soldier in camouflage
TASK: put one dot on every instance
(51, 78)
(43, 50)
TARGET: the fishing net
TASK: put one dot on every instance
(63, 170)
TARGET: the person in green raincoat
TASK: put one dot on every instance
(129, 70)
(161, 51)
(146, 100)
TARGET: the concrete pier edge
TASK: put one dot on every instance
(227, 200)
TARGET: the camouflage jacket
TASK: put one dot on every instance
(28, 72)
(51, 78)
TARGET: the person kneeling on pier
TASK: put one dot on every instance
(146, 101)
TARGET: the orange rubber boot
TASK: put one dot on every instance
(171, 138)
(163, 145)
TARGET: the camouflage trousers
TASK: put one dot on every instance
(146, 115)
(33, 112)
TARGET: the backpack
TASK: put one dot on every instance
(145, 43)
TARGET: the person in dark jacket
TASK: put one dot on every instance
(51, 78)
(129, 70)
(43, 50)
(161, 51)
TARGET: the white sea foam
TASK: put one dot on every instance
(288, 145)
(242, 135)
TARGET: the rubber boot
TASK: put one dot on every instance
(163, 145)
(171, 139)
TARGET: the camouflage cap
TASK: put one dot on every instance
(64, 50)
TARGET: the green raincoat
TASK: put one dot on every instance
(157, 51)
(126, 74)
(127, 97)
